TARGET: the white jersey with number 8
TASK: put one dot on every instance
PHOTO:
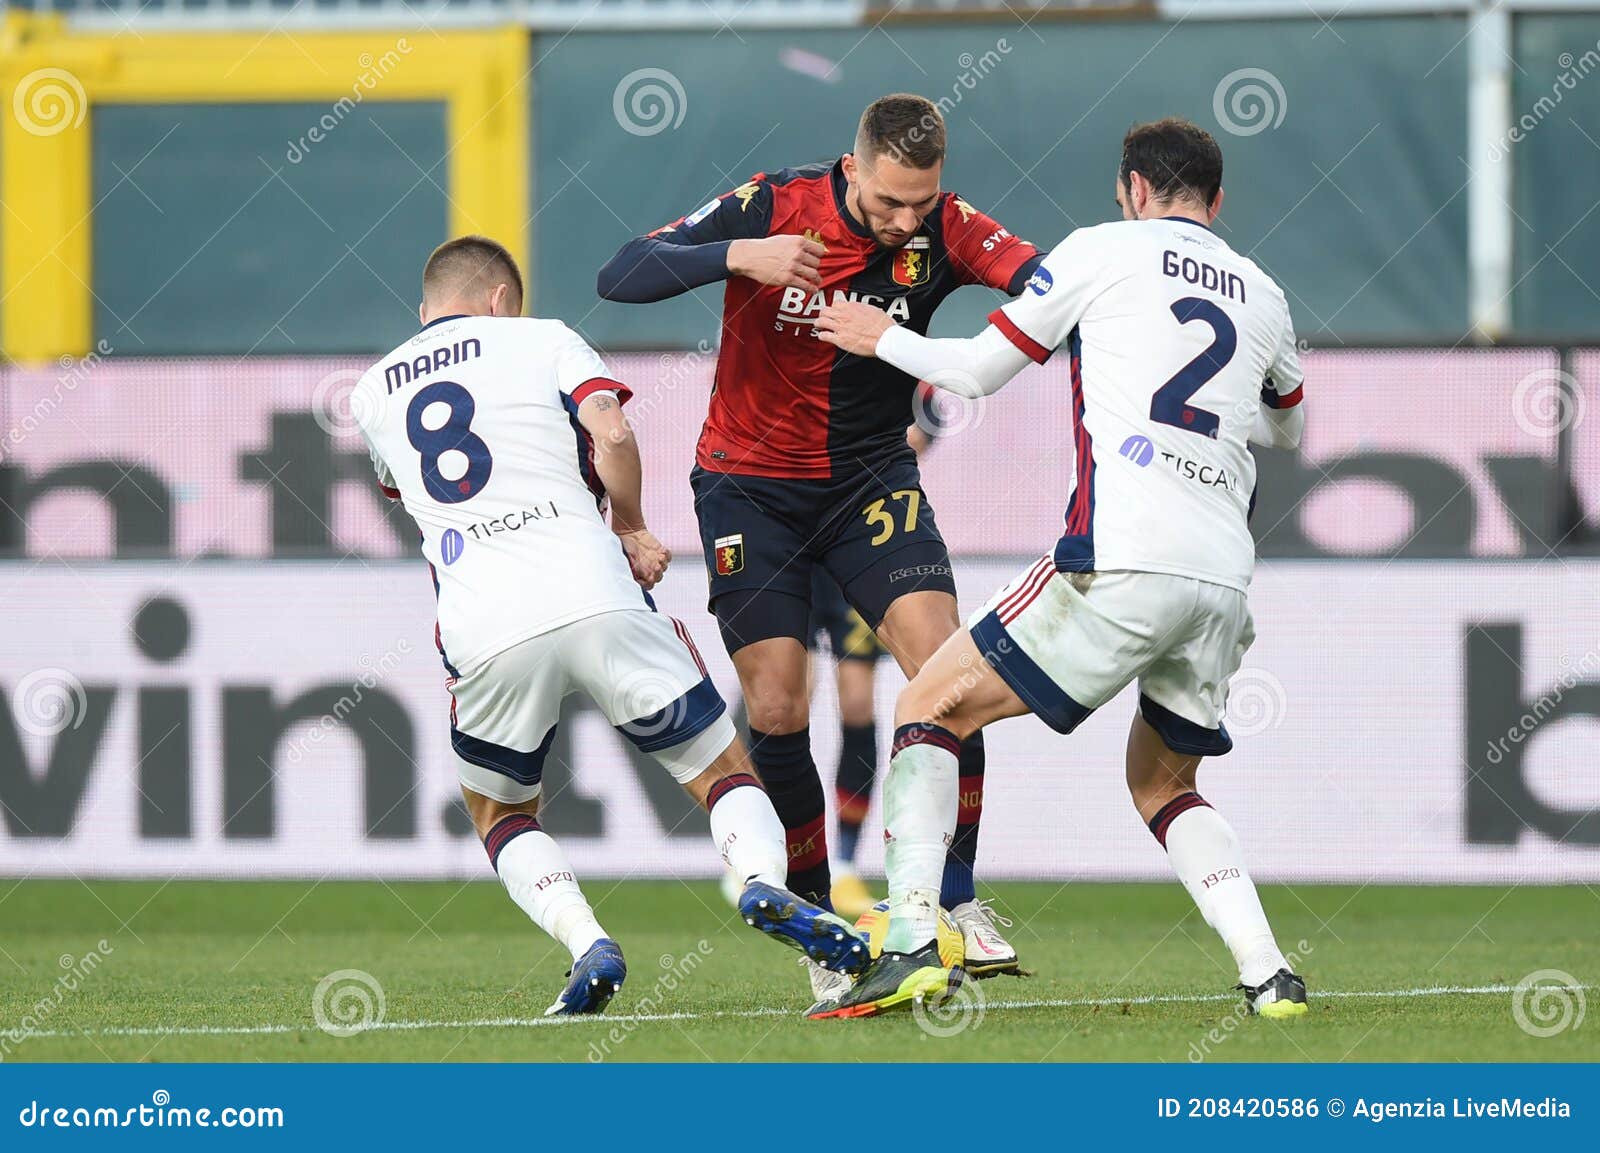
(473, 424)
(1176, 340)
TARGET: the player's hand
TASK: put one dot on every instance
(647, 557)
(780, 261)
(853, 326)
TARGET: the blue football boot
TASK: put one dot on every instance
(595, 978)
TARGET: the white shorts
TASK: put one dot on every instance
(639, 667)
(1069, 642)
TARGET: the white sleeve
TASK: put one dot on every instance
(973, 367)
(580, 373)
(1281, 419)
(385, 477)
(1055, 298)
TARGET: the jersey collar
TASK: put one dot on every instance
(444, 320)
(1186, 220)
(840, 187)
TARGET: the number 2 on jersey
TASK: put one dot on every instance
(454, 435)
(1170, 404)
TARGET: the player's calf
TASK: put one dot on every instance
(750, 837)
(536, 876)
(744, 826)
(1206, 855)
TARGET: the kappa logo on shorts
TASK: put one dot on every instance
(730, 554)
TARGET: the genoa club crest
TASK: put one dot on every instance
(729, 554)
(911, 263)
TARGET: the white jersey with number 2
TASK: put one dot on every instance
(473, 424)
(1175, 340)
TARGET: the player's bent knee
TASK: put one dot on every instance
(921, 702)
(701, 755)
(773, 708)
(487, 812)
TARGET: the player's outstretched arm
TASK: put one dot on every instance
(616, 461)
(973, 367)
(650, 268)
(723, 238)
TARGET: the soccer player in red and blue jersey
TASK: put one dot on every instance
(803, 459)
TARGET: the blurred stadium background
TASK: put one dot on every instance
(217, 656)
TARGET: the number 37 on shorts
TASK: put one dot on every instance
(885, 522)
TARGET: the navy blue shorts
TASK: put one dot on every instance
(873, 533)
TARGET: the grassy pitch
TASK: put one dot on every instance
(190, 971)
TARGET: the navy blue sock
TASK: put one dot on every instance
(783, 761)
(858, 765)
(958, 886)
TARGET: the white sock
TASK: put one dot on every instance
(921, 796)
(1205, 853)
(747, 832)
(535, 874)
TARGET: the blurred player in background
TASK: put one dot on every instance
(1181, 351)
(504, 437)
(803, 460)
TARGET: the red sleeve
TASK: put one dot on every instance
(601, 384)
(982, 250)
(1037, 352)
(388, 491)
(1272, 398)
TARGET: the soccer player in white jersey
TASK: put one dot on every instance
(504, 438)
(1181, 351)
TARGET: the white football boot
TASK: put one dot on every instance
(988, 953)
(826, 986)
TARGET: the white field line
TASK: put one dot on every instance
(627, 1018)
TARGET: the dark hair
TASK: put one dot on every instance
(1178, 158)
(459, 263)
(909, 129)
